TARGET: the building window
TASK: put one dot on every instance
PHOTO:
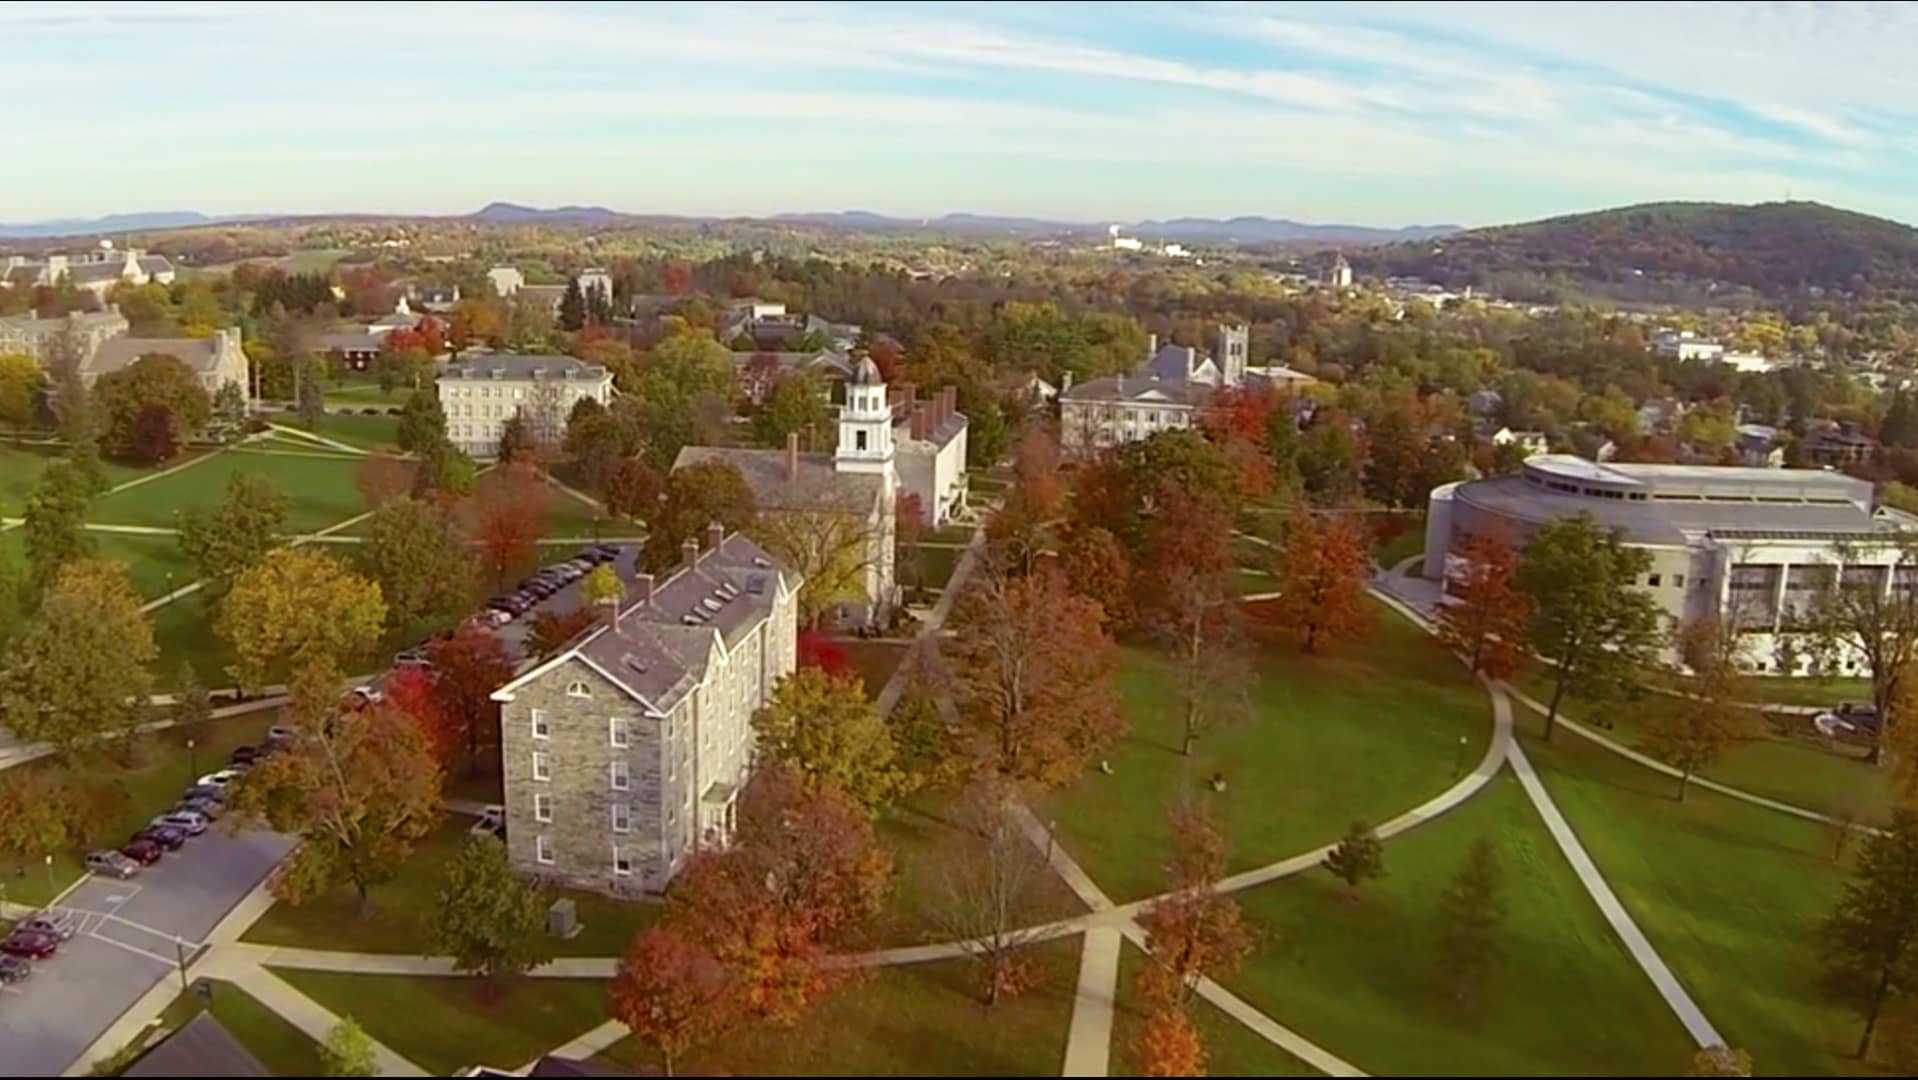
(1652, 579)
(578, 689)
(622, 866)
(1678, 581)
(541, 729)
(542, 807)
(541, 771)
(622, 817)
(859, 440)
(542, 851)
(616, 732)
(620, 777)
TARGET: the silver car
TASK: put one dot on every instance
(112, 864)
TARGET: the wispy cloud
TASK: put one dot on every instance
(1380, 112)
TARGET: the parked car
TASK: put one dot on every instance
(187, 821)
(364, 697)
(244, 755)
(413, 657)
(280, 733)
(58, 923)
(112, 864)
(13, 970)
(167, 836)
(210, 809)
(1851, 718)
(222, 778)
(208, 792)
(492, 819)
(30, 944)
(143, 850)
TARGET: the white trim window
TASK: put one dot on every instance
(542, 729)
(622, 864)
(617, 733)
(622, 817)
(542, 770)
(542, 806)
(578, 689)
(542, 851)
(619, 776)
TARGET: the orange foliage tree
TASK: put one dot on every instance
(1323, 566)
(1096, 567)
(1035, 469)
(1032, 669)
(803, 872)
(509, 516)
(411, 691)
(1168, 1045)
(670, 992)
(1192, 932)
(467, 668)
(383, 478)
(1488, 615)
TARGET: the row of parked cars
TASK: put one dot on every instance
(40, 937)
(508, 606)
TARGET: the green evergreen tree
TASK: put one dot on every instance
(1471, 911)
(490, 922)
(1358, 857)
(572, 307)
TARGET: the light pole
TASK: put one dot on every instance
(192, 761)
(49, 862)
(179, 959)
(1458, 760)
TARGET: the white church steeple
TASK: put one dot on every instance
(865, 424)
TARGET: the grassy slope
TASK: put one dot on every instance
(1730, 894)
(444, 1024)
(1359, 977)
(919, 1020)
(924, 839)
(1368, 731)
(319, 490)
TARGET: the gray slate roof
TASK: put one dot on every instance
(1137, 390)
(201, 1048)
(519, 366)
(347, 342)
(200, 354)
(817, 487)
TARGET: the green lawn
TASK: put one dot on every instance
(1231, 1048)
(284, 1049)
(162, 769)
(936, 565)
(21, 466)
(444, 1024)
(401, 909)
(1368, 731)
(380, 432)
(319, 490)
(314, 260)
(918, 1020)
(1359, 977)
(570, 515)
(360, 392)
(1730, 894)
(925, 841)
(151, 558)
(1798, 769)
(1403, 546)
(185, 634)
(1251, 582)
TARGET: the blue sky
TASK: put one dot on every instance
(1376, 113)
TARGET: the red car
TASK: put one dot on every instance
(31, 944)
(143, 851)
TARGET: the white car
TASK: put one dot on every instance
(190, 822)
(492, 819)
(222, 778)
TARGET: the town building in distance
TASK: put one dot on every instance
(481, 394)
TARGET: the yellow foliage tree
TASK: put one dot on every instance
(297, 609)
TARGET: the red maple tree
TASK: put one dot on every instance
(1192, 932)
(467, 668)
(671, 993)
(383, 478)
(412, 692)
(509, 516)
(1323, 567)
(817, 650)
(1485, 614)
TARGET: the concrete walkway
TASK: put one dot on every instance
(297, 433)
(930, 628)
(1667, 984)
(1089, 1041)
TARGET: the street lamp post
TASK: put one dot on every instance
(1458, 760)
(192, 761)
(49, 862)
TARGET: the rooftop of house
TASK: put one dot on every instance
(657, 649)
(202, 1047)
(524, 368)
(789, 480)
(347, 341)
(200, 354)
(1137, 390)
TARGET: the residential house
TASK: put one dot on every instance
(624, 754)
(201, 1047)
(930, 442)
(505, 280)
(756, 372)
(1176, 382)
(1760, 446)
(354, 350)
(1838, 445)
(96, 272)
(479, 395)
(1527, 442)
(1686, 345)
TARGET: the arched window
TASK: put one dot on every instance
(578, 689)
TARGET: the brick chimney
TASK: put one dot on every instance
(715, 535)
(643, 589)
(792, 457)
(952, 402)
(690, 551)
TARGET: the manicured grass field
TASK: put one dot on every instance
(570, 515)
(151, 559)
(21, 467)
(284, 1049)
(161, 769)
(919, 1020)
(1252, 582)
(359, 392)
(936, 565)
(925, 841)
(1231, 1048)
(1369, 730)
(320, 490)
(1796, 769)
(1403, 546)
(401, 908)
(1359, 977)
(445, 1024)
(184, 631)
(1730, 894)
(367, 432)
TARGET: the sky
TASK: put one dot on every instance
(1381, 113)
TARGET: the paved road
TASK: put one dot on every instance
(126, 944)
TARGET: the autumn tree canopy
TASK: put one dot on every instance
(1323, 567)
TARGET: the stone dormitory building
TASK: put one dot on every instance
(625, 753)
(104, 345)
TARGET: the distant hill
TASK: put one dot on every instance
(1773, 250)
(111, 223)
(1263, 230)
(505, 213)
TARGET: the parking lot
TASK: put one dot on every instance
(131, 935)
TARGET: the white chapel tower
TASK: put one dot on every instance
(865, 449)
